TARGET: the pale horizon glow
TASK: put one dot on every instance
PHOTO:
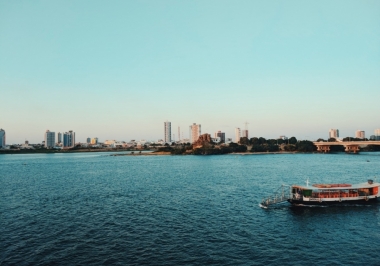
(119, 70)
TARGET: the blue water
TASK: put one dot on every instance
(96, 209)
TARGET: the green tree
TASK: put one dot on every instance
(262, 140)
(293, 140)
(241, 148)
(257, 148)
(244, 140)
(306, 146)
(233, 144)
(290, 147)
(272, 148)
(254, 141)
(225, 150)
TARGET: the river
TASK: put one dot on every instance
(96, 209)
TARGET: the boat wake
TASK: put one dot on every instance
(310, 206)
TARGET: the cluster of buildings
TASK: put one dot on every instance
(359, 134)
(66, 140)
(195, 130)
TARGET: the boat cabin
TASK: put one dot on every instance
(335, 190)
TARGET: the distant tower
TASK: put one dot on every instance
(88, 140)
(49, 139)
(195, 132)
(360, 134)
(334, 133)
(377, 134)
(168, 132)
(69, 139)
(221, 135)
(237, 134)
(94, 141)
(2, 138)
(179, 134)
(245, 131)
(59, 137)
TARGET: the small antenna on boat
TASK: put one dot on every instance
(307, 182)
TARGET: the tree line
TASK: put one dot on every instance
(272, 145)
(252, 145)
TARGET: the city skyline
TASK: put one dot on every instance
(49, 137)
(288, 68)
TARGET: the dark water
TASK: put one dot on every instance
(79, 209)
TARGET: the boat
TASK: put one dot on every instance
(327, 194)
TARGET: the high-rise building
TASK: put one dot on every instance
(69, 139)
(221, 135)
(2, 138)
(334, 133)
(195, 132)
(94, 141)
(59, 140)
(377, 134)
(237, 134)
(360, 134)
(167, 132)
(49, 139)
(88, 140)
(244, 133)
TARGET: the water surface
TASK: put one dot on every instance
(75, 209)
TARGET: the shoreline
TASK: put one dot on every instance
(152, 153)
(234, 153)
(68, 151)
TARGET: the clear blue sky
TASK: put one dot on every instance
(119, 69)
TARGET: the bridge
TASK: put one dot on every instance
(350, 146)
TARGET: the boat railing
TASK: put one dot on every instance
(280, 195)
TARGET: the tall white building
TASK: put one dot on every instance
(195, 132)
(360, 134)
(334, 133)
(49, 139)
(2, 138)
(167, 132)
(237, 134)
(377, 132)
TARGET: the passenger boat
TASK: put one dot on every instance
(327, 194)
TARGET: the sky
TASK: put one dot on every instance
(120, 69)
